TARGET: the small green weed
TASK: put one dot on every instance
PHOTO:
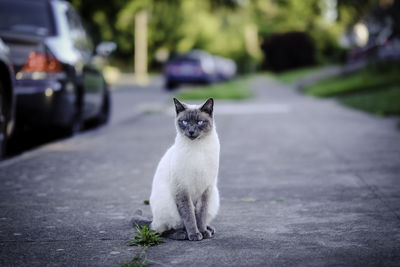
(146, 202)
(145, 237)
(248, 199)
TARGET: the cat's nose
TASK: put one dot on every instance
(191, 132)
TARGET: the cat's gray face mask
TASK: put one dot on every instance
(194, 122)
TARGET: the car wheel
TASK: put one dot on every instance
(170, 85)
(105, 111)
(3, 121)
(74, 127)
(76, 123)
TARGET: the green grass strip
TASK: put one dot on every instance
(371, 78)
(236, 89)
(374, 89)
(383, 102)
(291, 76)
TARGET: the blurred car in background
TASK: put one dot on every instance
(57, 83)
(7, 97)
(225, 68)
(197, 66)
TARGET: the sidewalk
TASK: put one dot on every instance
(303, 182)
(314, 185)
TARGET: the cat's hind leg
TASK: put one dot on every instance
(213, 206)
(176, 234)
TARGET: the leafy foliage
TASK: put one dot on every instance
(145, 237)
(289, 51)
(218, 26)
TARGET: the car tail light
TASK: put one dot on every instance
(42, 62)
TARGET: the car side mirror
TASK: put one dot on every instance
(105, 48)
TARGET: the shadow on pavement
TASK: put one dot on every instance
(30, 138)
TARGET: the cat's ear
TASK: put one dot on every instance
(208, 106)
(179, 107)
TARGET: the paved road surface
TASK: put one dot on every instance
(303, 182)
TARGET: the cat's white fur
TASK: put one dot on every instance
(190, 165)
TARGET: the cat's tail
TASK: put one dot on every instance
(140, 220)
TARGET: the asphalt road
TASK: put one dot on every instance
(303, 182)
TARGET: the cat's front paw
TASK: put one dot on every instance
(195, 237)
(207, 234)
(211, 230)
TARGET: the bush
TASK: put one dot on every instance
(288, 51)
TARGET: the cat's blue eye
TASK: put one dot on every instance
(200, 122)
(184, 123)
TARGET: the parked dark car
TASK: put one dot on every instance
(197, 66)
(7, 97)
(57, 81)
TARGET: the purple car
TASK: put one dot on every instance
(197, 66)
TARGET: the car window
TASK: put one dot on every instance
(77, 32)
(28, 17)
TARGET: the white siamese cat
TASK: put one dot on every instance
(184, 197)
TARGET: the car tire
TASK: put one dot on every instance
(74, 127)
(170, 85)
(76, 123)
(3, 120)
(104, 115)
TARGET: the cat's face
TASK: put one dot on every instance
(194, 122)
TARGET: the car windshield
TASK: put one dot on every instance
(28, 17)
